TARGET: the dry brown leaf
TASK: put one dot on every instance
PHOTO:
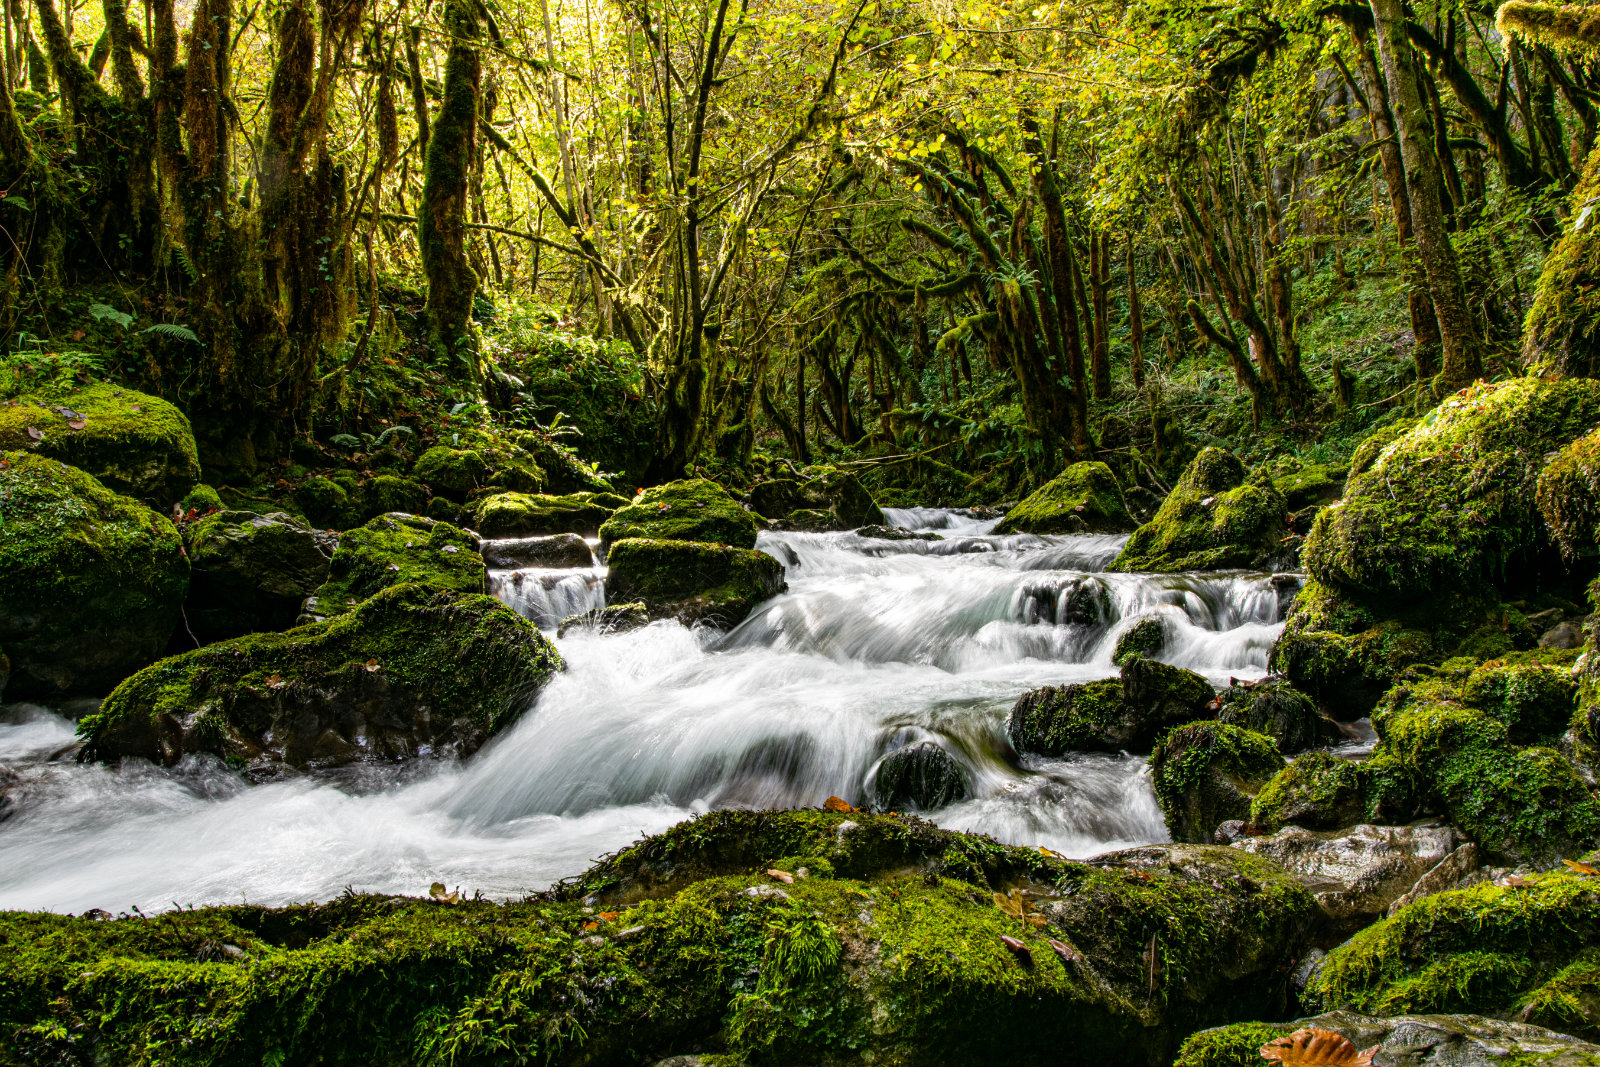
(1018, 949)
(1013, 903)
(275, 681)
(1316, 1047)
(609, 916)
(783, 876)
(1581, 868)
(36, 433)
(836, 804)
(1067, 953)
(77, 424)
(372, 665)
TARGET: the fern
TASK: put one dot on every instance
(189, 266)
(345, 441)
(105, 312)
(167, 329)
(383, 438)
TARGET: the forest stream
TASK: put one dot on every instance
(877, 643)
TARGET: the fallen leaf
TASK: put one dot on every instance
(1316, 1047)
(372, 665)
(36, 433)
(783, 876)
(1514, 881)
(1018, 949)
(609, 916)
(835, 804)
(78, 335)
(134, 407)
(1067, 953)
(1581, 868)
(77, 424)
(1012, 903)
(275, 681)
(436, 891)
(591, 926)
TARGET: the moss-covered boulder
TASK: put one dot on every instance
(1446, 746)
(1276, 708)
(1568, 496)
(1212, 519)
(691, 581)
(1452, 503)
(694, 509)
(394, 549)
(858, 960)
(91, 582)
(1431, 1040)
(529, 514)
(1311, 484)
(1084, 498)
(918, 777)
(200, 501)
(825, 498)
(1530, 949)
(451, 472)
(1318, 791)
(1147, 637)
(1206, 773)
(326, 503)
(389, 492)
(251, 573)
(412, 671)
(1120, 714)
(552, 551)
(137, 445)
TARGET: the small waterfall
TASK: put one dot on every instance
(878, 643)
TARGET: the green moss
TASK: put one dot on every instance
(1488, 950)
(451, 471)
(251, 572)
(1569, 496)
(135, 444)
(1534, 700)
(390, 493)
(1056, 720)
(1374, 444)
(393, 549)
(1314, 483)
(1559, 332)
(326, 503)
(1318, 791)
(526, 515)
(1205, 773)
(202, 500)
(1212, 519)
(410, 666)
(1238, 1045)
(1084, 498)
(1147, 637)
(692, 581)
(1452, 503)
(691, 510)
(93, 581)
(1276, 708)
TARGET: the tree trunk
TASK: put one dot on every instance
(1099, 282)
(1462, 357)
(1135, 323)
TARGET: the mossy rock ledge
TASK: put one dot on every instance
(502, 515)
(394, 549)
(91, 582)
(251, 573)
(888, 949)
(694, 509)
(1126, 713)
(135, 444)
(411, 672)
(1213, 519)
(691, 581)
(1084, 498)
(825, 498)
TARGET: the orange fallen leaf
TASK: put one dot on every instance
(275, 681)
(783, 876)
(372, 665)
(1581, 868)
(835, 804)
(610, 916)
(1316, 1047)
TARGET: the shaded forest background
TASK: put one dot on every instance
(948, 245)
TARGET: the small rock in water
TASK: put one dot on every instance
(895, 533)
(921, 776)
(611, 619)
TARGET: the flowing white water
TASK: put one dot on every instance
(877, 643)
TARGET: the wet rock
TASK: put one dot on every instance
(895, 533)
(1358, 872)
(825, 498)
(1206, 773)
(1084, 498)
(1412, 1040)
(559, 550)
(1318, 791)
(410, 672)
(1111, 715)
(1276, 708)
(504, 515)
(1562, 635)
(91, 582)
(691, 581)
(132, 443)
(1147, 637)
(1212, 519)
(326, 503)
(694, 509)
(1455, 871)
(395, 549)
(250, 572)
(918, 777)
(611, 619)
(1142, 503)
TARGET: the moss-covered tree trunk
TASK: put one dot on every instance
(1462, 360)
(441, 220)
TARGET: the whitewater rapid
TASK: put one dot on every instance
(876, 644)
